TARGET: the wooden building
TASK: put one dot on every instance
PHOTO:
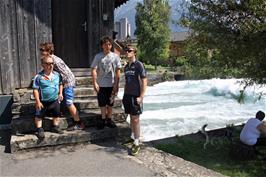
(177, 44)
(74, 26)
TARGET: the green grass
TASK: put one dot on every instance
(215, 157)
(151, 68)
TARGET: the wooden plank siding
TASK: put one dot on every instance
(8, 48)
(43, 23)
(97, 26)
(26, 40)
(24, 24)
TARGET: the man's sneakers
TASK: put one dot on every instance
(56, 129)
(76, 126)
(109, 123)
(135, 149)
(40, 133)
(128, 142)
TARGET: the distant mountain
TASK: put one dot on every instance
(128, 10)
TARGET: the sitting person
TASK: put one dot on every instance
(253, 129)
(47, 90)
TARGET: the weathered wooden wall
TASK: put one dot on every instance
(23, 25)
(97, 26)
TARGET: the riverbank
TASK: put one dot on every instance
(218, 150)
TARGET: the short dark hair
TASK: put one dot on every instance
(106, 39)
(260, 115)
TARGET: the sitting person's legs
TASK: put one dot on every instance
(53, 110)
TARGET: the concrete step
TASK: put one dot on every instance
(26, 95)
(84, 81)
(81, 72)
(78, 136)
(28, 108)
(25, 124)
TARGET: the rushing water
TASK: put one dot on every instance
(182, 107)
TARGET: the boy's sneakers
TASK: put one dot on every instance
(56, 129)
(76, 126)
(109, 123)
(135, 149)
(128, 142)
(40, 133)
(100, 123)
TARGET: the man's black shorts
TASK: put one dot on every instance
(131, 106)
(51, 109)
(104, 95)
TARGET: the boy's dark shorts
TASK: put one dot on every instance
(131, 106)
(51, 109)
(104, 95)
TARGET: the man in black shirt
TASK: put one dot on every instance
(135, 87)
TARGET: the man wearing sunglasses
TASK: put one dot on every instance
(135, 87)
(47, 90)
(105, 71)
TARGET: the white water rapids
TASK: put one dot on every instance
(182, 107)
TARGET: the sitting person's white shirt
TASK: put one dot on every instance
(250, 132)
(253, 129)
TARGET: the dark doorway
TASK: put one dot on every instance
(70, 34)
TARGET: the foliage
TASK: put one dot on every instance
(228, 36)
(152, 31)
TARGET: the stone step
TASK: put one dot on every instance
(78, 136)
(26, 95)
(84, 81)
(81, 72)
(25, 124)
(28, 108)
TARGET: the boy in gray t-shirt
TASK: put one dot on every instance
(105, 78)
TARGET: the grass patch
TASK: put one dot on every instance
(215, 157)
(151, 68)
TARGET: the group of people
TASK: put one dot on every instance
(55, 83)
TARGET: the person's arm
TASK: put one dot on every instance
(38, 104)
(142, 90)
(262, 128)
(94, 80)
(116, 81)
(60, 96)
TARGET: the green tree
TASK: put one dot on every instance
(152, 31)
(235, 30)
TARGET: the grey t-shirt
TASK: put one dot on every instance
(106, 66)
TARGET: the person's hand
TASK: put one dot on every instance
(139, 100)
(115, 90)
(112, 99)
(96, 87)
(60, 97)
(38, 105)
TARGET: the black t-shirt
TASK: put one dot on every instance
(133, 75)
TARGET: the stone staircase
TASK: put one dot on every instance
(86, 102)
